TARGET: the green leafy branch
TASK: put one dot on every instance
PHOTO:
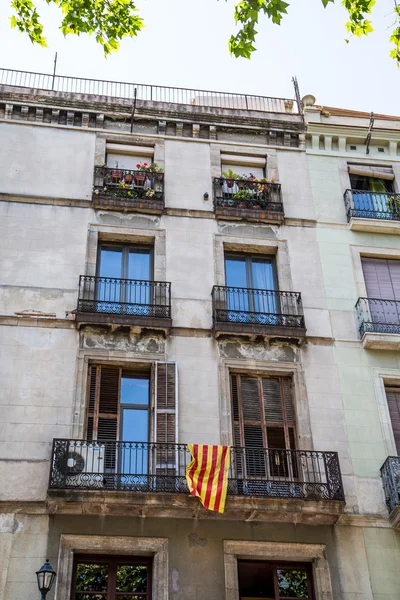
(109, 20)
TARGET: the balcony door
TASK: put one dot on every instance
(253, 284)
(393, 400)
(263, 431)
(382, 280)
(123, 273)
(374, 193)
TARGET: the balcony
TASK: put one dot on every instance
(379, 323)
(245, 311)
(252, 200)
(376, 212)
(108, 300)
(308, 480)
(390, 473)
(123, 189)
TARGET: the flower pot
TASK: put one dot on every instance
(139, 178)
(230, 183)
(250, 182)
(116, 175)
(128, 178)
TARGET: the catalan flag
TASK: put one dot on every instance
(207, 475)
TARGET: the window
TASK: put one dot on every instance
(274, 581)
(121, 409)
(393, 400)
(382, 280)
(244, 275)
(263, 424)
(371, 186)
(111, 578)
(123, 273)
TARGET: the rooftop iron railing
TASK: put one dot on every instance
(146, 92)
(133, 297)
(248, 306)
(247, 194)
(157, 467)
(378, 316)
(127, 188)
(372, 205)
(390, 473)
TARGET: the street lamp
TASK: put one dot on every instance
(45, 578)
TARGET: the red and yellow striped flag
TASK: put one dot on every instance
(207, 475)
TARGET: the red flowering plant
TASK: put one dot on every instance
(149, 168)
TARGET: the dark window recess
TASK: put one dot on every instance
(274, 581)
(111, 578)
(353, 147)
(381, 149)
(393, 400)
(370, 184)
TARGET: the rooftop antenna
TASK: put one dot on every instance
(369, 134)
(54, 71)
(133, 108)
(298, 97)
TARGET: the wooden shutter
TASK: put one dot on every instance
(166, 417)
(393, 400)
(103, 405)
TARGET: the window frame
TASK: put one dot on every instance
(126, 248)
(277, 565)
(248, 258)
(113, 560)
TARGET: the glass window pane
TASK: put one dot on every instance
(111, 262)
(91, 577)
(263, 275)
(235, 272)
(139, 264)
(292, 583)
(135, 425)
(131, 578)
(135, 390)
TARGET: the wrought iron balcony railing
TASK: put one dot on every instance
(390, 473)
(247, 196)
(378, 316)
(372, 205)
(257, 307)
(155, 467)
(148, 93)
(124, 188)
(130, 297)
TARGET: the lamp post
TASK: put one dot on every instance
(45, 578)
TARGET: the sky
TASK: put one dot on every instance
(185, 44)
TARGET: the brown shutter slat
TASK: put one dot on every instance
(91, 409)
(109, 390)
(250, 399)
(272, 400)
(166, 417)
(393, 400)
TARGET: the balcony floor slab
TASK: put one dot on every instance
(381, 341)
(374, 225)
(162, 505)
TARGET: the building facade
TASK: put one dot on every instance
(178, 267)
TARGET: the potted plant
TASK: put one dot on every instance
(243, 197)
(230, 186)
(140, 174)
(128, 178)
(251, 181)
(393, 204)
(116, 174)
